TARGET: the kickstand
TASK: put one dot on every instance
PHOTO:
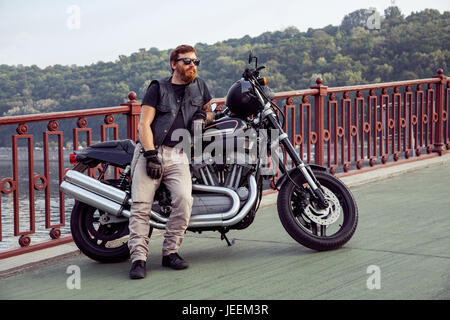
(224, 237)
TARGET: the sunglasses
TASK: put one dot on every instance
(187, 61)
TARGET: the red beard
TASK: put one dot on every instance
(188, 75)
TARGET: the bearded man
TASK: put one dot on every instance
(171, 103)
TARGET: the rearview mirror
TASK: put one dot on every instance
(250, 57)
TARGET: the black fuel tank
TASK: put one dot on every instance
(226, 126)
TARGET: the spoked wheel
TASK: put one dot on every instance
(311, 226)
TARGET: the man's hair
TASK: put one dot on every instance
(184, 48)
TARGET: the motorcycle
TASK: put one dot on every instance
(315, 208)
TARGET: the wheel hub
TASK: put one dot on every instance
(99, 230)
(325, 216)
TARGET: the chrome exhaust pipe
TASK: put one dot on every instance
(110, 199)
(253, 192)
(218, 221)
(93, 199)
(95, 193)
(213, 216)
(97, 187)
(253, 195)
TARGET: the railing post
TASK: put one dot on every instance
(319, 121)
(133, 116)
(439, 137)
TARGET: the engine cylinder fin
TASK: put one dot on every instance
(238, 178)
(209, 176)
(202, 174)
(230, 178)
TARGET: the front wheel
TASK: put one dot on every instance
(316, 228)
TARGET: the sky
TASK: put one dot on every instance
(82, 32)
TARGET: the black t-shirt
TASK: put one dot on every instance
(151, 98)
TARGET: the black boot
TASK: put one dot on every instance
(138, 270)
(174, 261)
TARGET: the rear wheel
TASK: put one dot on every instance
(315, 228)
(96, 239)
(94, 236)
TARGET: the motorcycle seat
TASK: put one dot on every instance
(118, 152)
(126, 145)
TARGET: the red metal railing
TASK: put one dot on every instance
(41, 182)
(347, 129)
(354, 127)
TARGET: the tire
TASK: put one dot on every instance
(93, 243)
(294, 210)
(86, 237)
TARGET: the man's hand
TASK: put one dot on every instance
(154, 167)
(209, 112)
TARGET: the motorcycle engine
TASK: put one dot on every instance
(231, 174)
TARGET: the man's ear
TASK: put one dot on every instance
(173, 65)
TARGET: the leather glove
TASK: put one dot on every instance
(154, 167)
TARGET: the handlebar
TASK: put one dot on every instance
(252, 73)
(257, 83)
(221, 114)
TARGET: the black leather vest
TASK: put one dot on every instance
(167, 109)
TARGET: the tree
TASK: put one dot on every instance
(393, 12)
(355, 19)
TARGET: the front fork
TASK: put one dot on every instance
(304, 169)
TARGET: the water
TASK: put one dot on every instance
(9, 241)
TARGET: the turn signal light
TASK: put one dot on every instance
(262, 81)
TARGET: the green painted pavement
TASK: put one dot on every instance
(404, 230)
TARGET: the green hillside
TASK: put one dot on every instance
(402, 48)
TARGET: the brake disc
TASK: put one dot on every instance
(325, 216)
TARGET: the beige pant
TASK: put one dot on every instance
(177, 177)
